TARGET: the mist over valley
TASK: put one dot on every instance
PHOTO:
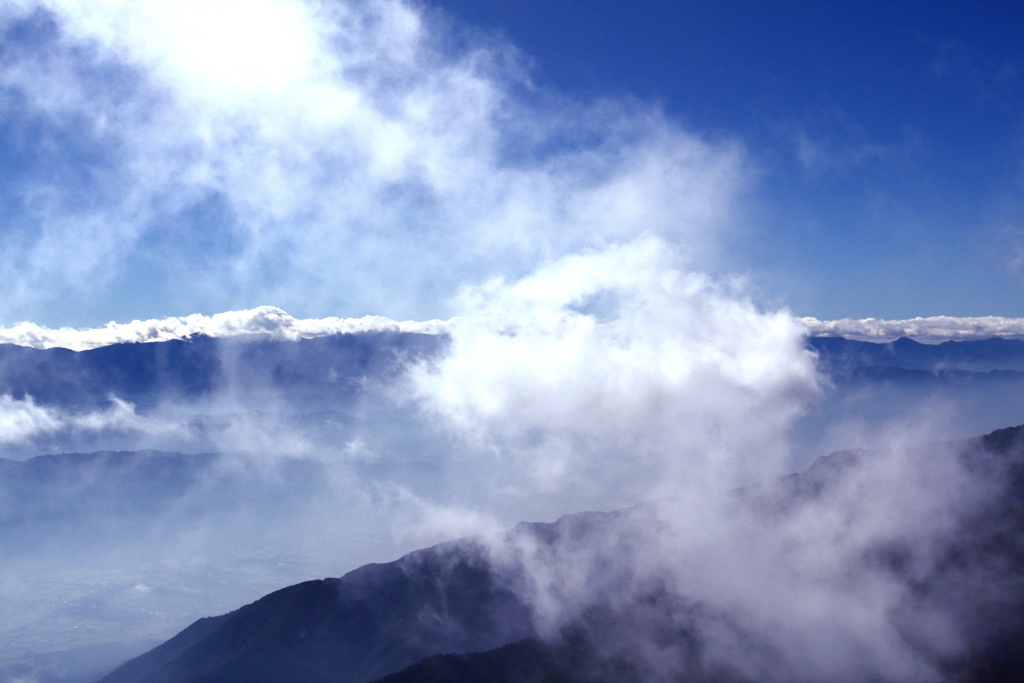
(228, 468)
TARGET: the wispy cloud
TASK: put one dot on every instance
(983, 76)
(23, 420)
(848, 582)
(834, 144)
(320, 156)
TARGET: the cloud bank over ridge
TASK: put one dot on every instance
(264, 322)
(272, 323)
(933, 329)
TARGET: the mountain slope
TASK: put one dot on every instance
(309, 372)
(981, 355)
(978, 575)
(460, 612)
(366, 624)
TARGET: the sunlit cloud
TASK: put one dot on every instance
(619, 371)
(320, 156)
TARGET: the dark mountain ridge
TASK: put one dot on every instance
(980, 355)
(460, 612)
(329, 370)
(317, 371)
(374, 620)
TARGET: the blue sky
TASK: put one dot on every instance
(889, 136)
(847, 159)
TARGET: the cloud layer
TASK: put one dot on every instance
(265, 322)
(270, 322)
(22, 420)
(927, 330)
(615, 376)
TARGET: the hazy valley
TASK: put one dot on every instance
(299, 460)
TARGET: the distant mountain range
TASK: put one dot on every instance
(64, 519)
(963, 387)
(458, 612)
(306, 372)
(839, 355)
(201, 393)
(61, 496)
(325, 372)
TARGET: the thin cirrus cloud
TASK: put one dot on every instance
(22, 420)
(321, 156)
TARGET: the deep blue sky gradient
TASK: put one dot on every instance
(886, 143)
(908, 198)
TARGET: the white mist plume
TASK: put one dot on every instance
(22, 419)
(853, 582)
(927, 330)
(619, 371)
(614, 376)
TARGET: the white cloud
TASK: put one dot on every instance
(613, 375)
(265, 322)
(928, 330)
(270, 322)
(22, 420)
(318, 155)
